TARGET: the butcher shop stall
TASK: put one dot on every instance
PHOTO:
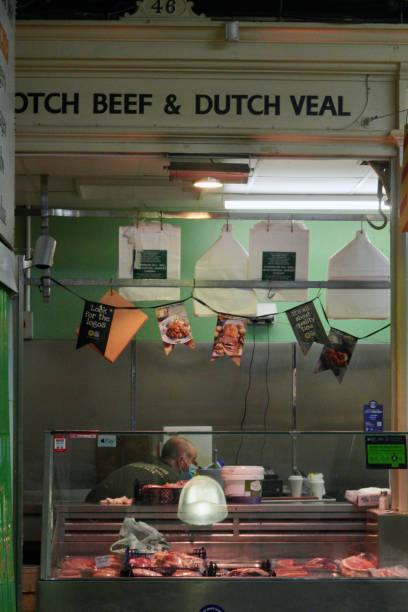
(230, 546)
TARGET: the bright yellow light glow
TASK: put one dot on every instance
(208, 183)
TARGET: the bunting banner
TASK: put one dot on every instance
(174, 326)
(229, 338)
(95, 325)
(403, 213)
(307, 326)
(337, 356)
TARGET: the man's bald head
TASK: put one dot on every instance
(178, 451)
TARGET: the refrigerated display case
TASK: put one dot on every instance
(295, 547)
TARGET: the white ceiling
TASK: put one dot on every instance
(123, 182)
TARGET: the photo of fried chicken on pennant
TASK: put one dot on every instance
(174, 326)
(229, 338)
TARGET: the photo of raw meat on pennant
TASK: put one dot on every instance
(229, 338)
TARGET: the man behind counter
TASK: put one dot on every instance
(177, 457)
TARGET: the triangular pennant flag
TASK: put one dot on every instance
(229, 338)
(174, 326)
(95, 325)
(337, 356)
(127, 320)
(307, 326)
(403, 212)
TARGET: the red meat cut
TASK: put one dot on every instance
(288, 564)
(79, 563)
(247, 571)
(178, 560)
(291, 573)
(139, 571)
(140, 562)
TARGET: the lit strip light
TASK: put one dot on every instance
(292, 204)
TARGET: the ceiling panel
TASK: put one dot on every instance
(143, 181)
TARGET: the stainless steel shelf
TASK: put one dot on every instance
(211, 284)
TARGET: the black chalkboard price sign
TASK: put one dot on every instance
(307, 326)
(95, 325)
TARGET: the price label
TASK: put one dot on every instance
(102, 561)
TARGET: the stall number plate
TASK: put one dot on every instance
(107, 441)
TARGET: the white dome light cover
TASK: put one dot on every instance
(202, 502)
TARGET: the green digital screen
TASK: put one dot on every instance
(386, 452)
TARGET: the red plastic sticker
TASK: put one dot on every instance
(60, 444)
(83, 435)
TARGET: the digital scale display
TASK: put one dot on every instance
(386, 452)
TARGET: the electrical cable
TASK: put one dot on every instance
(266, 410)
(254, 320)
(244, 414)
(381, 212)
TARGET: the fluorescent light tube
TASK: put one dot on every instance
(302, 205)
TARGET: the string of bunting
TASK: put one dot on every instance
(229, 336)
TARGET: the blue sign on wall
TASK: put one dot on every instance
(373, 416)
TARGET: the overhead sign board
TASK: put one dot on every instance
(193, 102)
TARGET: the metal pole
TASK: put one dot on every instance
(399, 339)
(18, 306)
(294, 411)
(27, 295)
(47, 507)
(133, 385)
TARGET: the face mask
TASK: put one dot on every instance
(191, 471)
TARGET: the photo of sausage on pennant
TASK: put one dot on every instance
(174, 326)
(337, 356)
(229, 338)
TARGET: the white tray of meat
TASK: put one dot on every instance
(304, 568)
(357, 566)
(394, 571)
(168, 563)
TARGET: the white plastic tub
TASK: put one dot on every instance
(243, 483)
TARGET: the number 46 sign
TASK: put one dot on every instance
(165, 9)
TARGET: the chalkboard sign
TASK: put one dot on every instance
(278, 265)
(150, 263)
(95, 325)
(307, 326)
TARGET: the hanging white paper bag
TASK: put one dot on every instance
(226, 259)
(279, 251)
(358, 260)
(149, 250)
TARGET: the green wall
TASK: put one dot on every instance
(88, 248)
(7, 595)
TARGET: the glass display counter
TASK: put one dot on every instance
(281, 551)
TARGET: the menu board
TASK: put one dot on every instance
(7, 17)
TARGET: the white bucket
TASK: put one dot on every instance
(243, 483)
